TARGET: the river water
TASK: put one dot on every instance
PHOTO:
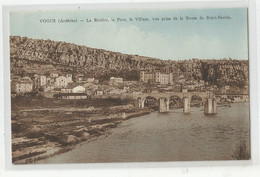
(172, 136)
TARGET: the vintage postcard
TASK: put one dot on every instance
(129, 85)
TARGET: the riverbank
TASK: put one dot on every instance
(164, 137)
(40, 132)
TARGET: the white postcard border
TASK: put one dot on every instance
(253, 88)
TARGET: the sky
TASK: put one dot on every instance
(173, 39)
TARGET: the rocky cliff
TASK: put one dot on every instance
(29, 56)
(36, 53)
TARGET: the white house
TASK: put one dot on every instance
(66, 90)
(23, 85)
(90, 80)
(41, 80)
(62, 81)
(79, 89)
(116, 79)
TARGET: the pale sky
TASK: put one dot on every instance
(175, 39)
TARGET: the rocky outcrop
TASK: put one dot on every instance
(29, 56)
(65, 54)
(69, 139)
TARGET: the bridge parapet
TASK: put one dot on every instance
(168, 95)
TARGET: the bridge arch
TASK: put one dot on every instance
(197, 100)
(175, 101)
(151, 102)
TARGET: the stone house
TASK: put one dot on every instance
(62, 81)
(156, 78)
(24, 85)
(40, 80)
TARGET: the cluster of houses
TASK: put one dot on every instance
(194, 85)
(67, 86)
(64, 86)
(232, 98)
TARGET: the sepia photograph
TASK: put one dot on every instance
(131, 85)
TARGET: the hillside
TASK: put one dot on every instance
(29, 56)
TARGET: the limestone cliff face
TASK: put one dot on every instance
(30, 56)
(75, 55)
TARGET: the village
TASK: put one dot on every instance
(68, 86)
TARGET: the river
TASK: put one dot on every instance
(172, 136)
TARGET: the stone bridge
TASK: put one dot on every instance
(208, 98)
